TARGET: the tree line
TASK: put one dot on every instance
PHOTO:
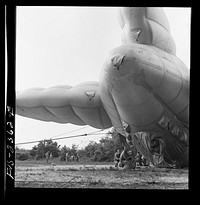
(95, 151)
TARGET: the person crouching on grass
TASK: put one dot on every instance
(127, 160)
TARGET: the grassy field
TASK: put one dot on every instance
(40, 174)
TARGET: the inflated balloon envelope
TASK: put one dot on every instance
(142, 84)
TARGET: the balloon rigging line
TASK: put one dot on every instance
(71, 131)
(72, 136)
(62, 133)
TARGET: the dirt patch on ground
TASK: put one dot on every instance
(99, 176)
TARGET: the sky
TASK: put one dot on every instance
(67, 46)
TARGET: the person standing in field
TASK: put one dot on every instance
(66, 157)
(50, 156)
(47, 156)
(36, 158)
(76, 157)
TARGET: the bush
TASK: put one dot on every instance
(102, 151)
(23, 156)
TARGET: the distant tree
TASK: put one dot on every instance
(98, 155)
(91, 148)
(41, 150)
(108, 149)
(82, 153)
(53, 147)
(33, 151)
(45, 146)
(63, 152)
(74, 149)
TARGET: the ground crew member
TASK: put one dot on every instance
(51, 156)
(36, 158)
(117, 157)
(139, 159)
(66, 157)
(76, 157)
(125, 157)
(129, 138)
(47, 156)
